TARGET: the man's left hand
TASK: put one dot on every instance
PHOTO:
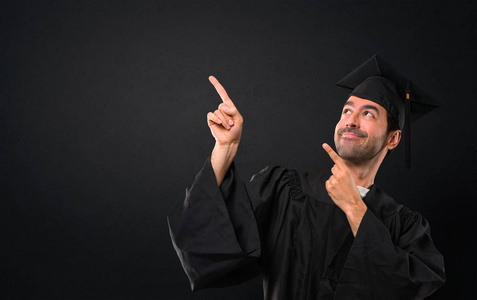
(343, 190)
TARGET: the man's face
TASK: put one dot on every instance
(361, 132)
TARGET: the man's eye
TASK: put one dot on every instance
(368, 114)
(346, 111)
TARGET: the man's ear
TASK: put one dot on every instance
(393, 139)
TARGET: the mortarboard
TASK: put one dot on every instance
(378, 81)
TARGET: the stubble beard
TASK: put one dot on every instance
(360, 153)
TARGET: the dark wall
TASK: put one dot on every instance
(103, 125)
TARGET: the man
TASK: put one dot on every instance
(314, 234)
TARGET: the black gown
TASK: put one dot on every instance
(283, 225)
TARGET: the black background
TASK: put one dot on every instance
(103, 125)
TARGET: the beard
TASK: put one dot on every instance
(358, 152)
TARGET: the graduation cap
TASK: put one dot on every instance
(378, 81)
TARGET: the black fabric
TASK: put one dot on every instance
(282, 224)
(376, 80)
(383, 92)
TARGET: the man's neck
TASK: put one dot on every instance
(364, 174)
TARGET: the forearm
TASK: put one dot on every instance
(355, 215)
(221, 158)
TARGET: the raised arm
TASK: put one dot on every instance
(225, 124)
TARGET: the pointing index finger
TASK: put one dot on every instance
(220, 89)
(332, 153)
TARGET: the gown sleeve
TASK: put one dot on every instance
(216, 231)
(396, 261)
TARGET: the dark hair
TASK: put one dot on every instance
(392, 123)
(392, 126)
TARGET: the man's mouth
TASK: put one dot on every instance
(351, 133)
(350, 136)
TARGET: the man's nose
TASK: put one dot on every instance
(352, 121)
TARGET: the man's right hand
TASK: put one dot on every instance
(225, 123)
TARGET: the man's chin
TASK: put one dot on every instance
(350, 142)
(351, 154)
(348, 149)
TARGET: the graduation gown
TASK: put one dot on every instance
(283, 225)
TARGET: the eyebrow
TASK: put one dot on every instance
(350, 103)
(372, 107)
(367, 106)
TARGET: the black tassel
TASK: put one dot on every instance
(407, 126)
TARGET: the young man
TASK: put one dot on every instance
(329, 234)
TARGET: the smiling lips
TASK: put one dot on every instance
(351, 136)
(351, 133)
